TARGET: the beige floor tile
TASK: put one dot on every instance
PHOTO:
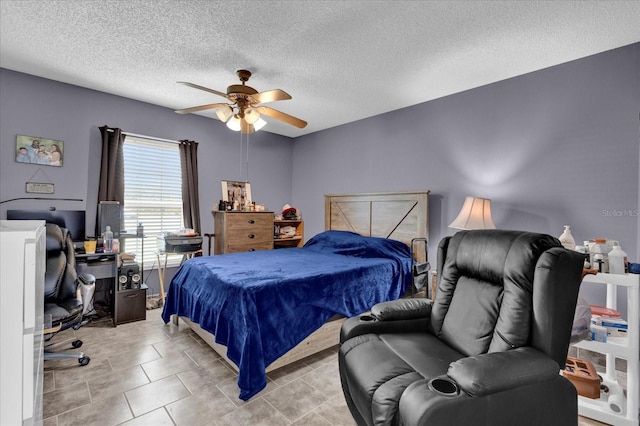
(51, 421)
(48, 382)
(326, 379)
(65, 399)
(200, 408)
(158, 417)
(73, 373)
(116, 382)
(129, 358)
(106, 412)
(213, 373)
(289, 373)
(165, 367)
(306, 398)
(311, 419)
(169, 347)
(156, 394)
(323, 357)
(255, 413)
(336, 412)
(201, 354)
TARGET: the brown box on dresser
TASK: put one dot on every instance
(242, 231)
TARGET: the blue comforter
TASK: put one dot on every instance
(261, 304)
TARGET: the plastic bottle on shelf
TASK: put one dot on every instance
(618, 263)
(587, 253)
(566, 239)
(599, 255)
(108, 239)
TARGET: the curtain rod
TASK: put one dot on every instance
(135, 135)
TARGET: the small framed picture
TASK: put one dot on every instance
(237, 193)
(40, 151)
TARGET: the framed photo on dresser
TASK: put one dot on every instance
(236, 192)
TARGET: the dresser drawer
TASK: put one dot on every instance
(247, 221)
(250, 236)
(242, 231)
(240, 247)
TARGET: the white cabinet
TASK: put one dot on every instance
(23, 261)
(613, 407)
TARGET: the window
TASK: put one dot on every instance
(152, 195)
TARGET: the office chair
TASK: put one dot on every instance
(62, 301)
(487, 350)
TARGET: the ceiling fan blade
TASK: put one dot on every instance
(199, 108)
(279, 115)
(271, 95)
(206, 89)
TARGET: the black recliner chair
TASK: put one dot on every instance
(486, 351)
(62, 301)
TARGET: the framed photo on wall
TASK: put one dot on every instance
(40, 151)
(236, 192)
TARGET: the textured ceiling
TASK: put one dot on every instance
(341, 61)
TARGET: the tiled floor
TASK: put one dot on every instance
(149, 373)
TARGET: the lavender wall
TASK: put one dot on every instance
(38, 107)
(554, 147)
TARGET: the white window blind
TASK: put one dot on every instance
(152, 195)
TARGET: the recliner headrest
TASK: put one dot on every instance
(496, 255)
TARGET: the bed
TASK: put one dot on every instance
(282, 307)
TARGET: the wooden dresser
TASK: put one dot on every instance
(242, 231)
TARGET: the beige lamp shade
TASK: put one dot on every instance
(475, 214)
(224, 112)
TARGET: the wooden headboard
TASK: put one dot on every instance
(401, 216)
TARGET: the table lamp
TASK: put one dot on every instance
(475, 214)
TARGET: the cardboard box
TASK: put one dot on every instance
(598, 333)
(584, 377)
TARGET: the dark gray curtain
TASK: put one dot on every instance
(190, 199)
(111, 186)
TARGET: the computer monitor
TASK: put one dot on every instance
(73, 220)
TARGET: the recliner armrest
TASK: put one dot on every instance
(402, 309)
(498, 371)
(396, 316)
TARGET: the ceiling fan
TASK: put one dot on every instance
(243, 111)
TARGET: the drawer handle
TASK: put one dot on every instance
(129, 296)
(251, 221)
(251, 236)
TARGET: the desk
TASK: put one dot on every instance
(162, 266)
(126, 305)
(100, 265)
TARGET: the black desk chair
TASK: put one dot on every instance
(62, 302)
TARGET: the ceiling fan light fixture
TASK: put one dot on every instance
(259, 124)
(251, 115)
(224, 113)
(234, 123)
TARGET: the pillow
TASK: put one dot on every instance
(349, 243)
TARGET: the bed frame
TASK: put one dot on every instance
(402, 216)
